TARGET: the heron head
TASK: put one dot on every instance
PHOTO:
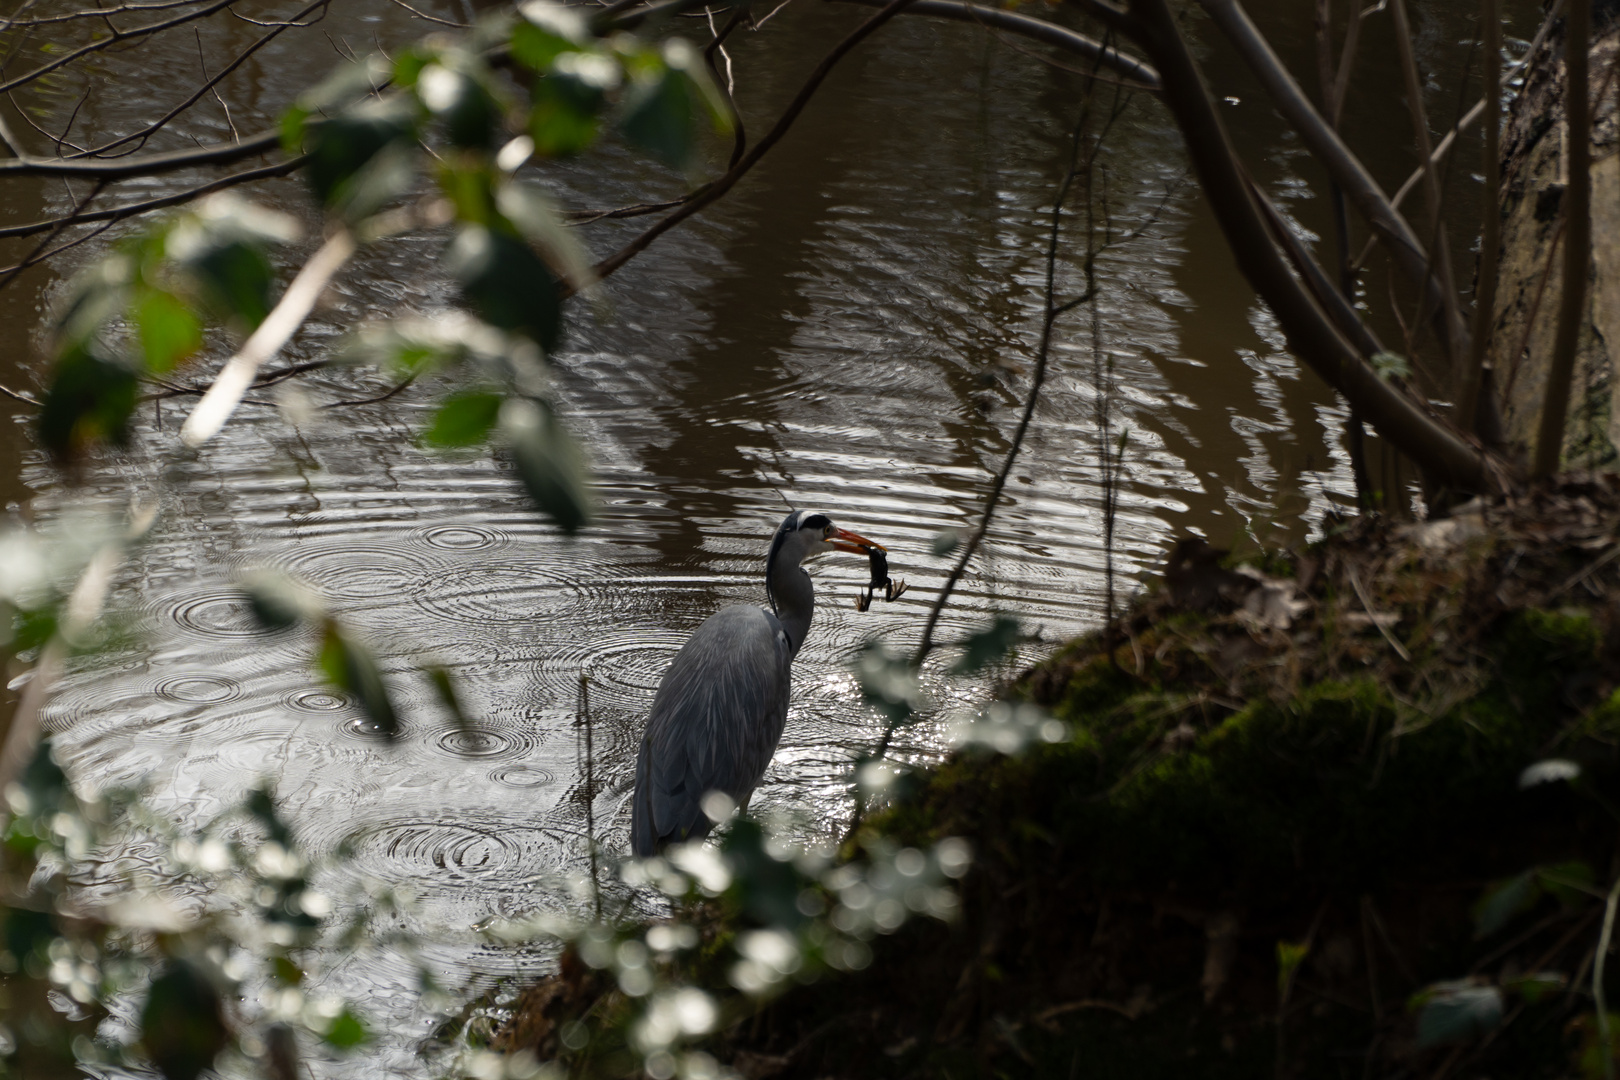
(806, 532)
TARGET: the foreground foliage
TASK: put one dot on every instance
(1348, 810)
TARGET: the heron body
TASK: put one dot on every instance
(719, 711)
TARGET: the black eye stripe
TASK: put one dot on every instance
(816, 521)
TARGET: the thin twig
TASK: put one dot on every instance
(1598, 998)
(431, 18)
(35, 256)
(724, 183)
(398, 388)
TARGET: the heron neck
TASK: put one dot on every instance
(794, 600)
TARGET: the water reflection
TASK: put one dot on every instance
(849, 331)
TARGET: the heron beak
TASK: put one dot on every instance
(844, 540)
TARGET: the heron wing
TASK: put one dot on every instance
(714, 725)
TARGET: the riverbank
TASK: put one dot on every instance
(1289, 809)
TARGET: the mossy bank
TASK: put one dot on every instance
(1289, 806)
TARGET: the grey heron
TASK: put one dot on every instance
(719, 711)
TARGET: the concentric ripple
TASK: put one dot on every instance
(357, 571)
(198, 689)
(523, 776)
(460, 537)
(315, 699)
(220, 614)
(472, 848)
(485, 742)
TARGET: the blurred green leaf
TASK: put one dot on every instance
(89, 401)
(548, 462)
(988, 645)
(350, 82)
(350, 667)
(1456, 1012)
(945, 541)
(527, 207)
(460, 100)
(341, 146)
(1536, 985)
(547, 30)
(278, 602)
(347, 1031)
(390, 174)
(182, 1022)
(1569, 883)
(169, 331)
(1551, 771)
(444, 687)
(1503, 902)
(564, 113)
(507, 283)
(234, 275)
(766, 888)
(464, 419)
(98, 295)
(1290, 954)
(671, 94)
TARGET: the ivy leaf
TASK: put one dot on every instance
(169, 331)
(351, 668)
(507, 283)
(1456, 1012)
(548, 461)
(988, 645)
(465, 419)
(1390, 365)
(1503, 902)
(90, 401)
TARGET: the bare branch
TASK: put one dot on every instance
(1311, 334)
(1140, 74)
(372, 400)
(713, 191)
(115, 38)
(1345, 168)
(118, 213)
(143, 164)
(93, 13)
(1439, 246)
(145, 133)
(35, 256)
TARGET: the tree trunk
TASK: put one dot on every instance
(1534, 173)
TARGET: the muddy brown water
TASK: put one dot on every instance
(851, 330)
